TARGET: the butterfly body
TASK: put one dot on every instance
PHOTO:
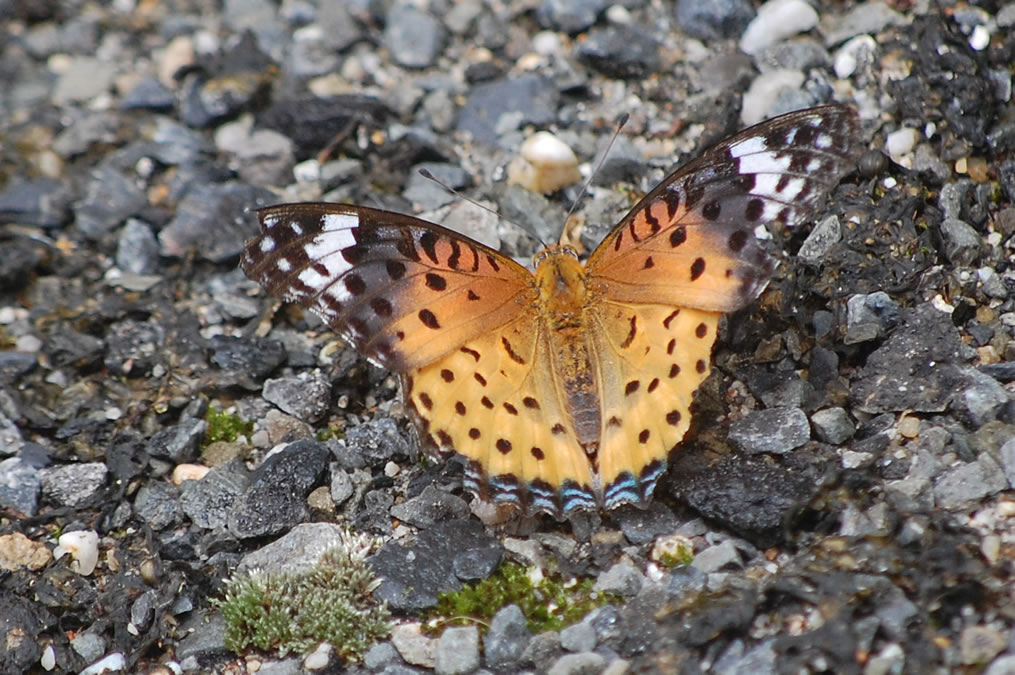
(567, 387)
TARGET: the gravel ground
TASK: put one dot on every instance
(845, 497)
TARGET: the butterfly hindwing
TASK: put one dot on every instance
(690, 243)
(494, 402)
(401, 290)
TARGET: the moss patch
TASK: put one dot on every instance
(225, 427)
(549, 603)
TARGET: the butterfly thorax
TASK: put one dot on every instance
(564, 299)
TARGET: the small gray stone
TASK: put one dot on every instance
(137, 250)
(20, 484)
(380, 656)
(414, 38)
(458, 651)
(341, 486)
(719, 557)
(775, 430)
(425, 193)
(832, 425)
(142, 610)
(73, 484)
(868, 317)
(83, 80)
(429, 507)
(158, 505)
(1008, 460)
(969, 482)
(981, 400)
(623, 579)
(306, 396)
(569, 16)
(207, 501)
(581, 637)
(89, 646)
(507, 638)
(961, 242)
(714, 19)
(585, 663)
(895, 613)
(820, 241)
(179, 443)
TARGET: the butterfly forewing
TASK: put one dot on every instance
(403, 291)
(689, 242)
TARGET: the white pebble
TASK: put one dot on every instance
(308, 171)
(765, 91)
(900, 143)
(184, 472)
(48, 660)
(83, 547)
(545, 164)
(980, 39)
(858, 50)
(319, 658)
(777, 20)
(109, 664)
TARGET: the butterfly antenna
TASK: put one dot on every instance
(425, 173)
(585, 188)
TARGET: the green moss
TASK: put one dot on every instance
(549, 604)
(293, 613)
(225, 427)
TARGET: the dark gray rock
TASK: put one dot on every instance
(413, 574)
(429, 507)
(622, 51)
(750, 495)
(570, 16)
(640, 526)
(254, 358)
(961, 242)
(832, 425)
(134, 347)
(276, 498)
(915, 369)
(494, 108)
(73, 484)
(213, 220)
(775, 430)
(67, 347)
(713, 19)
(306, 396)
(207, 501)
(377, 441)
(149, 94)
(14, 365)
(42, 202)
(179, 443)
(869, 317)
(110, 198)
(157, 503)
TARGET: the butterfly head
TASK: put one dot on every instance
(561, 280)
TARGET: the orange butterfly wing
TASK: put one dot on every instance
(679, 259)
(403, 291)
(459, 319)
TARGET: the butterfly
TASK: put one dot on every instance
(565, 388)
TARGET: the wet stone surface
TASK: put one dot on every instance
(843, 502)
